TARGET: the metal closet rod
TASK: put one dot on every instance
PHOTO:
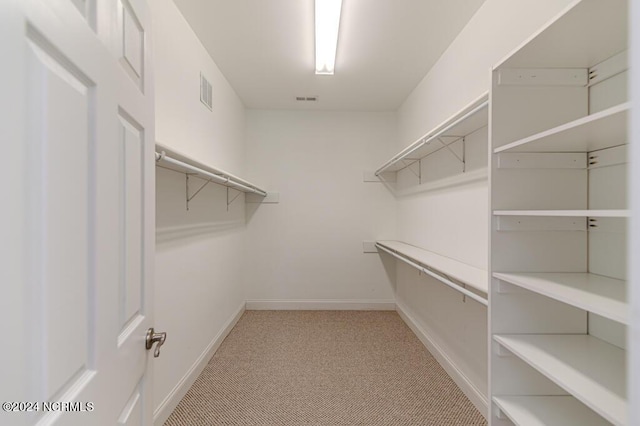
(226, 180)
(428, 138)
(450, 283)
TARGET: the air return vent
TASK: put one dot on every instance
(206, 92)
(307, 98)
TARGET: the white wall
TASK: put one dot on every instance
(463, 72)
(198, 282)
(309, 246)
(634, 238)
(182, 121)
(454, 221)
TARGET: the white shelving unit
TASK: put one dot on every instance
(173, 160)
(467, 274)
(472, 118)
(558, 262)
(462, 138)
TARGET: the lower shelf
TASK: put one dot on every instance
(588, 368)
(601, 295)
(564, 213)
(470, 275)
(547, 410)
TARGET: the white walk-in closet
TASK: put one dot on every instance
(325, 212)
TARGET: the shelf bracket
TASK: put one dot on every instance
(448, 147)
(408, 165)
(191, 197)
(229, 202)
(464, 285)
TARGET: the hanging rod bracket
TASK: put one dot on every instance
(439, 275)
(192, 196)
(448, 147)
(229, 202)
(409, 164)
(219, 177)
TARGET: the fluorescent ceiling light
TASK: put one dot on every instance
(327, 25)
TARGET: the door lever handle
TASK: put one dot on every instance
(153, 337)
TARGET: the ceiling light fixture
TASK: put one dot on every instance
(327, 26)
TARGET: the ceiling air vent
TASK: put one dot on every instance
(206, 92)
(307, 98)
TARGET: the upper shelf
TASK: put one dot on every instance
(474, 277)
(601, 130)
(471, 118)
(178, 162)
(594, 29)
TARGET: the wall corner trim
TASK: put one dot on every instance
(474, 394)
(321, 305)
(166, 407)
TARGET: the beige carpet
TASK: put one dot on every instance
(323, 368)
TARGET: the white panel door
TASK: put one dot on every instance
(77, 236)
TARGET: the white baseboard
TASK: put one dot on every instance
(321, 305)
(475, 396)
(166, 407)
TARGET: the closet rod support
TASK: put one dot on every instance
(220, 179)
(427, 139)
(440, 278)
(448, 147)
(229, 202)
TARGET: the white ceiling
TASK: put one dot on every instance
(265, 48)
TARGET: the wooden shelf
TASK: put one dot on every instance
(601, 295)
(547, 410)
(597, 131)
(590, 369)
(470, 275)
(470, 119)
(564, 213)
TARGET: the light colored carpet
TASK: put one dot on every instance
(323, 368)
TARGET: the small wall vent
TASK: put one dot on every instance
(206, 92)
(307, 98)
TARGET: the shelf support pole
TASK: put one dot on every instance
(408, 166)
(464, 154)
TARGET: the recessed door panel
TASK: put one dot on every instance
(61, 104)
(131, 295)
(132, 37)
(132, 413)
